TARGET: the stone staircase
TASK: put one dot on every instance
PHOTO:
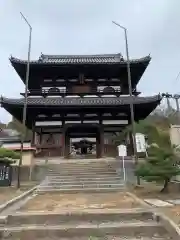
(95, 224)
(82, 176)
(85, 223)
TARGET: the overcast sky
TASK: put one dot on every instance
(85, 27)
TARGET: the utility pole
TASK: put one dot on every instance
(25, 102)
(131, 96)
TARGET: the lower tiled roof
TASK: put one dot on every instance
(95, 101)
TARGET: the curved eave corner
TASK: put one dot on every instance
(1, 101)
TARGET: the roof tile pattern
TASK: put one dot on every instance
(89, 101)
(81, 59)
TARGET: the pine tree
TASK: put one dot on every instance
(160, 167)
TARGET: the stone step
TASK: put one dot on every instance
(124, 229)
(76, 182)
(80, 190)
(83, 163)
(73, 178)
(79, 166)
(85, 175)
(83, 171)
(91, 216)
(107, 237)
(106, 174)
(88, 185)
(59, 166)
(81, 179)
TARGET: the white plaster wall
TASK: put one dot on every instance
(175, 140)
(15, 145)
(27, 158)
(175, 134)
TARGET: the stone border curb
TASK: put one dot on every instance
(138, 200)
(16, 199)
(171, 227)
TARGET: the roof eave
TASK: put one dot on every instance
(147, 100)
(14, 61)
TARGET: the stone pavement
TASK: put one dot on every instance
(158, 203)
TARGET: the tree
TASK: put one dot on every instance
(16, 125)
(8, 156)
(160, 167)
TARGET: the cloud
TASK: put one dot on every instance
(85, 27)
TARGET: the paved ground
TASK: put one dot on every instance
(158, 203)
(57, 202)
(7, 193)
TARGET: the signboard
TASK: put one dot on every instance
(140, 142)
(122, 151)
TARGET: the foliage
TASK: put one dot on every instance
(155, 127)
(8, 154)
(160, 167)
(2, 125)
(16, 125)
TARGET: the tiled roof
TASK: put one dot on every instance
(81, 59)
(89, 101)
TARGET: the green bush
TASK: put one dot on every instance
(8, 154)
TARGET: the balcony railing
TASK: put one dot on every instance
(63, 93)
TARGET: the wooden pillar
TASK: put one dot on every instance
(97, 145)
(67, 145)
(40, 137)
(65, 142)
(33, 134)
(100, 142)
(62, 139)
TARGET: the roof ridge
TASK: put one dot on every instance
(52, 56)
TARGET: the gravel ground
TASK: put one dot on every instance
(57, 202)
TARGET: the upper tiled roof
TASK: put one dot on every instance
(81, 59)
(89, 101)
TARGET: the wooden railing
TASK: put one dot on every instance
(63, 93)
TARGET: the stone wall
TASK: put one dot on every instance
(38, 173)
